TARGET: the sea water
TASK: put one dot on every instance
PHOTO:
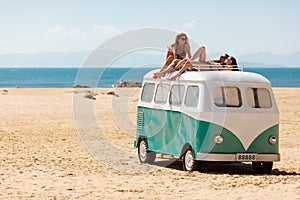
(106, 77)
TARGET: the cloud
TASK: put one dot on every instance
(76, 39)
(60, 31)
(60, 38)
(189, 25)
(98, 32)
(106, 30)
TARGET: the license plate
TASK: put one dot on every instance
(245, 157)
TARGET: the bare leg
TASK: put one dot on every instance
(201, 54)
(180, 64)
(168, 69)
(167, 63)
(186, 66)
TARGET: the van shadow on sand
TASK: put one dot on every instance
(218, 167)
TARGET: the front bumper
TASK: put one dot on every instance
(236, 157)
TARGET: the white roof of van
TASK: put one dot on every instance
(215, 76)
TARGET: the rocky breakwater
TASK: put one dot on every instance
(122, 83)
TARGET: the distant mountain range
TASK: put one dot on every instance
(268, 59)
(77, 58)
(45, 59)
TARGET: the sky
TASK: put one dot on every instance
(237, 26)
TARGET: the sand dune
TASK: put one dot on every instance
(43, 156)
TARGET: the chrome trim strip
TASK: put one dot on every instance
(232, 157)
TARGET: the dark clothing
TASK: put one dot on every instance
(192, 70)
(235, 68)
(181, 55)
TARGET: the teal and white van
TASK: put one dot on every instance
(209, 116)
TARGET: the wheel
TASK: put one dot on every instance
(188, 161)
(262, 167)
(145, 156)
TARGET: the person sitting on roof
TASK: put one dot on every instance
(177, 51)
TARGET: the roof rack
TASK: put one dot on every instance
(205, 67)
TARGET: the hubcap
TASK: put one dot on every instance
(143, 151)
(189, 160)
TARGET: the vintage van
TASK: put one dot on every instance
(209, 116)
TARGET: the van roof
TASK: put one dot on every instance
(215, 76)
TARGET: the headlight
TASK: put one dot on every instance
(272, 139)
(218, 139)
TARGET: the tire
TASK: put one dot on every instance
(145, 156)
(262, 167)
(188, 161)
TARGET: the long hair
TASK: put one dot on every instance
(179, 35)
(234, 63)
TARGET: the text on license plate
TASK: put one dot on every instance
(245, 157)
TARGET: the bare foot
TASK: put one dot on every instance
(156, 75)
(173, 78)
(159, 74)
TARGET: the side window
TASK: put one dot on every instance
(192, 96)
(147, 93)
(176, 96)
(162, 93)
(227, 97)
(258, 98)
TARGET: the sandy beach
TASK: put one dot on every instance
(49, 149)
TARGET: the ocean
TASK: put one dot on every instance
(106, 77)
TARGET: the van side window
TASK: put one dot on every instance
(176, 96)
(162, 93)
(227, 97)
(147, 93)
(258, 98)
(192, 96)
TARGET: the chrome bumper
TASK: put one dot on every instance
(233, 157)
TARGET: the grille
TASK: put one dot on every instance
(140, 121)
